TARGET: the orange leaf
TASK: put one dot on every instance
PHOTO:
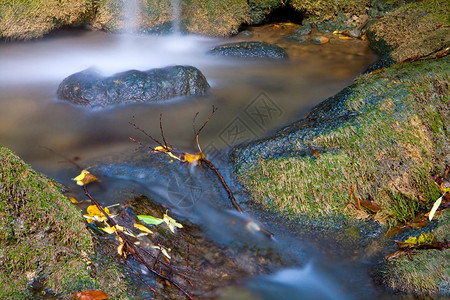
(84, 178)
(90, 295)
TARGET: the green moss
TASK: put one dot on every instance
(415, 29)
(42, 235)
(429, 272)
(26, 19)
(389, 150)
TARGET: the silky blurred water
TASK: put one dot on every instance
(253, 98)
(31, 116)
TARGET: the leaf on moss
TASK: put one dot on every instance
(435, 207)
(90, 295)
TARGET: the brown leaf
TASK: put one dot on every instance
(370, 205)
(315, 153)
(90, 295)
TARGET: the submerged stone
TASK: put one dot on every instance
(298, 35)
(250, 50)
(90, 88)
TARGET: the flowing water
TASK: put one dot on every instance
(33, 120)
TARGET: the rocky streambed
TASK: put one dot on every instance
(379, 140)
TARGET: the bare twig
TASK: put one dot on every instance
(130, 247)
(225, 185)
(133, 123)
(72, 161)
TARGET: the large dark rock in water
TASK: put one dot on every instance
(90, 88)
(250, 50)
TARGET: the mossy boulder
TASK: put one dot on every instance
(28, 19)
(385, 136)
(414, 30)
(250, 50)
(45, 244)
(90, 88)
(428, 272)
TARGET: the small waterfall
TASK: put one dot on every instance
(176, 15)
(130, 16)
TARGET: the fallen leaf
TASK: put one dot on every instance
(73, 200)
(345, 38)
(84, 178)
(94, 214)
(435, 207)
(171, 223)
(163, 251)
(90, 295)
(150, 219)
(192, 158)
(142, 228)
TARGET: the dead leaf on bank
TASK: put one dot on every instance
(435, 207)
(90, 295)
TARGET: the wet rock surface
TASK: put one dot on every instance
(250, 50)
(90, 88)
(299, 35)
(199, 264)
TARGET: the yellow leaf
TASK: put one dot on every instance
(84, 178)
(345, 38)
(95, 214)
(73, 200)
(435, 207)
(445, 186)
(163, 251)
(171, 223)
(142, 228)
(192, 158)
(411, 240)
(109, 229)
(425, 238)
(337, 32)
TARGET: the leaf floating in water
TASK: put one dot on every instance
(163, 251)
(73, 200)
(85, 178)
(90, 295)
(171, 223)
(150, 219)
(142, 228)
(435, 207)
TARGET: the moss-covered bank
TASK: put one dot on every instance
(25, 19)
(384, 136)
(428, 272)
(44, 239)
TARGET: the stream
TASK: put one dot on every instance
(311, 263)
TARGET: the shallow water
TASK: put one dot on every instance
(33, 120)
(31, 116)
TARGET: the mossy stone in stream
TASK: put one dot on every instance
(414, 30)
(92, 89)
(384, 136)
(250, 50)
(428, 272)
